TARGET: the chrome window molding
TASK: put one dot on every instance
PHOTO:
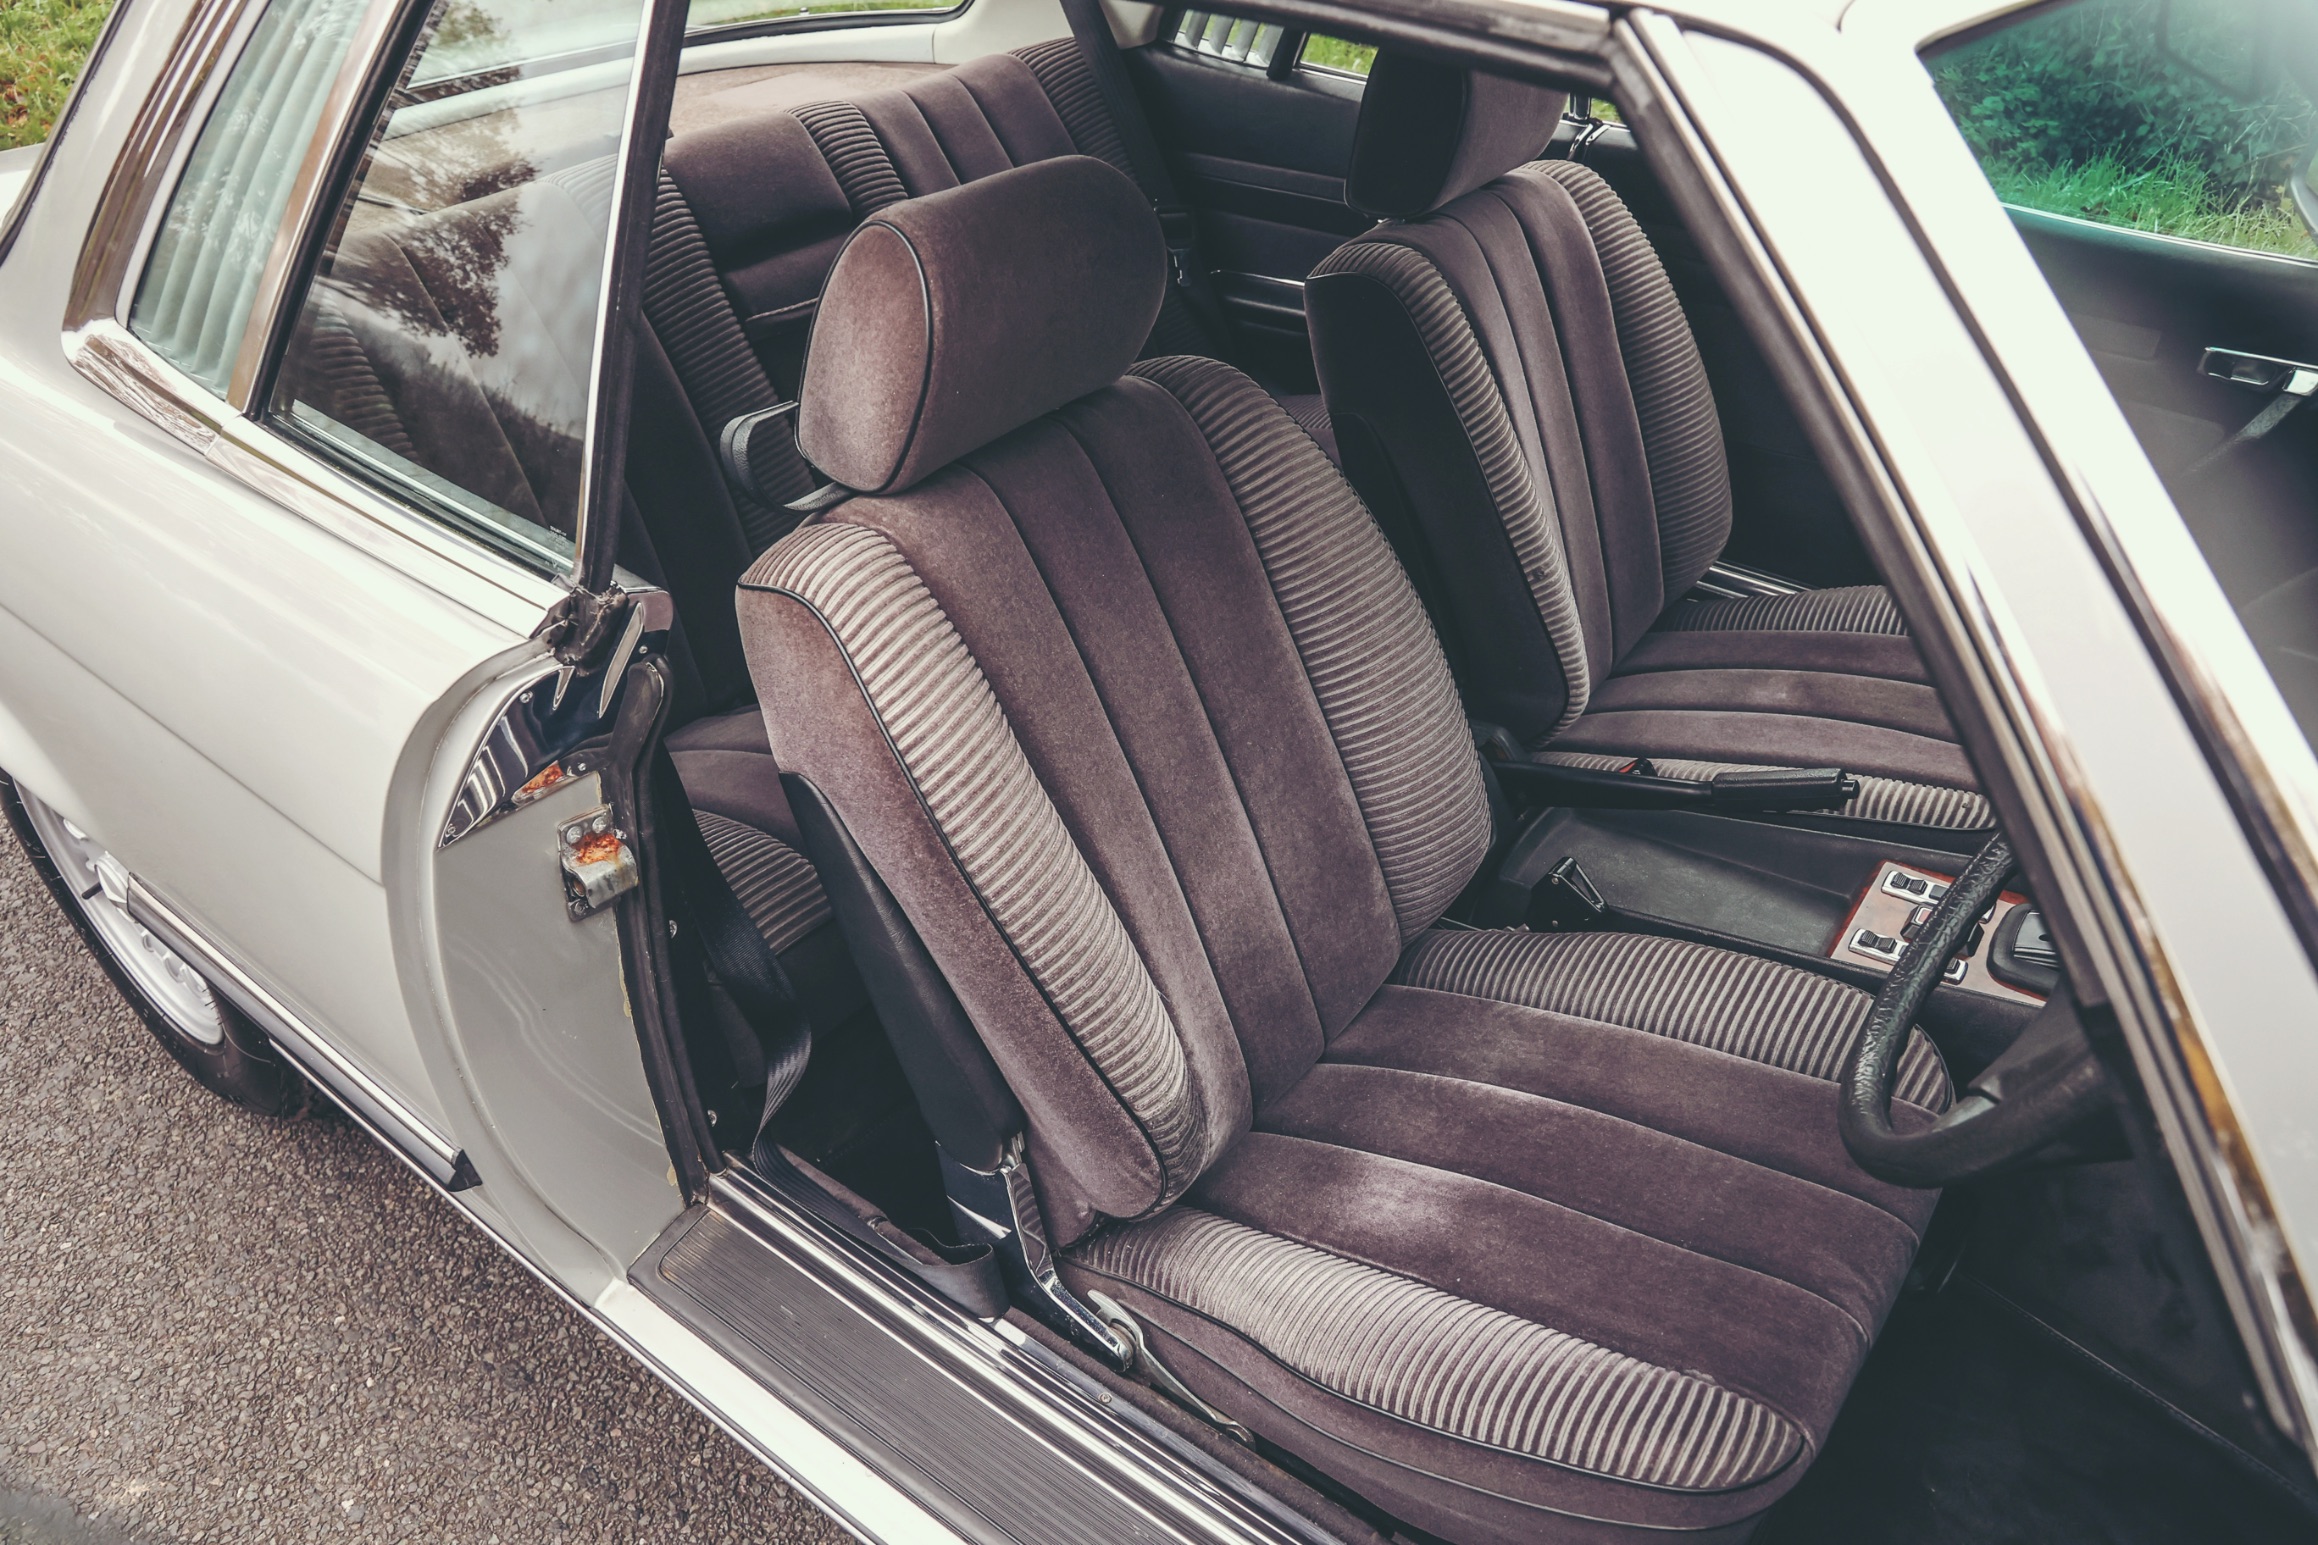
(225, 433)
(2115, 944)
(147, 165)
(310, 486)
(819, 21)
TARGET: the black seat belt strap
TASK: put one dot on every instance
(743, 962)
(1092, 28)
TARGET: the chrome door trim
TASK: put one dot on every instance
(2129, 959)
(121, 364)
(277, 280)
(149, 159)
(365, 1098)
(999, 1364)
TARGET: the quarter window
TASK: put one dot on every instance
(446, 342)
(210, 250)
(2177, 117)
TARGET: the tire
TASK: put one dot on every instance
(211, 1039)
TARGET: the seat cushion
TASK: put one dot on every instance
(1561, 1224)
(1821, 678)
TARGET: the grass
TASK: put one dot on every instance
(42, 46)
(2165, 200)
(1336, 54)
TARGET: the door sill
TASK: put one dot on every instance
(969, 1419)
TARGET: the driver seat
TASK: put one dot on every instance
(1123, 695)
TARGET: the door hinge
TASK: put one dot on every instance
(599, 867)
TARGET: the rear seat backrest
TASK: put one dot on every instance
(775, 195)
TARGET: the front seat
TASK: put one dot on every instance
(1123, 694)
(1516, 393)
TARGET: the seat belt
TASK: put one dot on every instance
(744, 964)
(1177, 225)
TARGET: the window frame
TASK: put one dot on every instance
(389, 516)
(829, 21)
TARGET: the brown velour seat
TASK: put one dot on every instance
(1516, 393)
(1124, 695)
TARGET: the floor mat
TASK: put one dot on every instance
(1970, 1423)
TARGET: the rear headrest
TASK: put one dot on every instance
(952, 319)
(1430, 133)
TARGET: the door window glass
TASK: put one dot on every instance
(2178, 117)
(194, 301)
(447, 339)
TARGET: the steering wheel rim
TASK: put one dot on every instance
(2048, 1081)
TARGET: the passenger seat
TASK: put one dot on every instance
(1518, 397)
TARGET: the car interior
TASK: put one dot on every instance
(1297, 719)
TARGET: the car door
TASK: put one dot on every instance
(2147, 153)
(1257, 120)
(313, 463)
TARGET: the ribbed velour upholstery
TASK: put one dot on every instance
(1363, 635)
(1888, 801)
(1409, 1350)
(1524, 500)
(1681, 433)
(851, 148)
(951, 737)
(1748, 1007)
(1069, 82)
(1845, 609)
(721, 375)
(775, 883)
(1516, 362)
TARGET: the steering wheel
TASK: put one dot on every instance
(2046, 1082)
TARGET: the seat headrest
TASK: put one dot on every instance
(1431, 132)
(953, 319)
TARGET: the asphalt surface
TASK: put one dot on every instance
(220, 1327)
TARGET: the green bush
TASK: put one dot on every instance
(2163, 114)
(42, 46)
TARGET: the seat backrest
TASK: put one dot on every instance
(1115, 682)
(1515, 391)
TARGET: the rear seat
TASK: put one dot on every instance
(749, 218)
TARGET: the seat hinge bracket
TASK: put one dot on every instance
(1161, 1376)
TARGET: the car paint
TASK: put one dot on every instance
(263, 705)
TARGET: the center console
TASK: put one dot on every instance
(1837, 902)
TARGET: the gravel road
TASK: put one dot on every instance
(217, 1327)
